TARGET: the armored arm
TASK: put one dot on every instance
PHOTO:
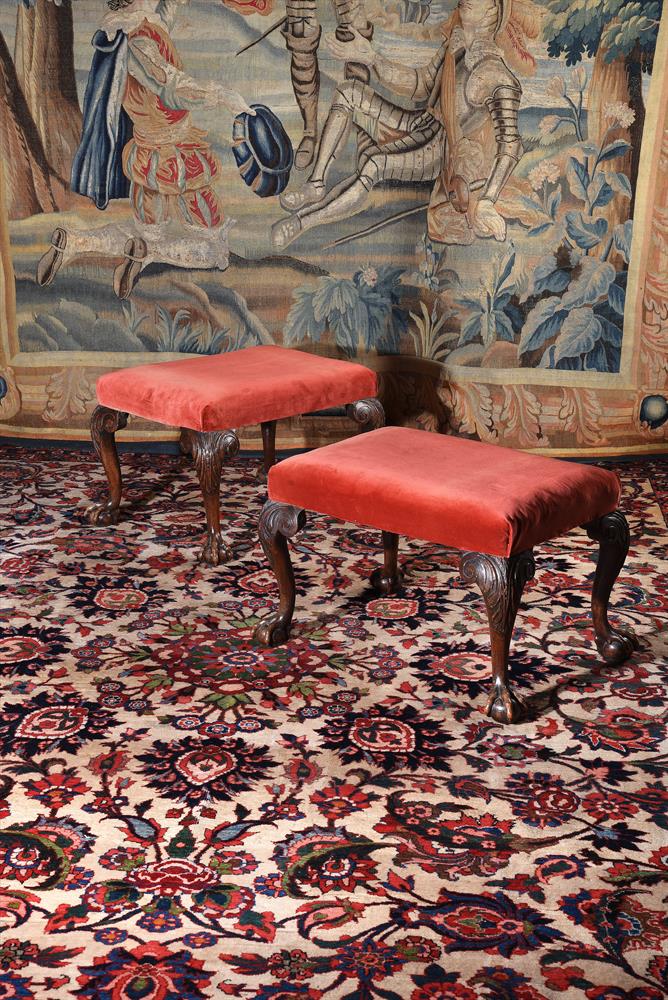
(493, 86)
(503, 107)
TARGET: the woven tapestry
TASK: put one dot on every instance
(470, 197)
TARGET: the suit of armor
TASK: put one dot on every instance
(302, 33)
(395, 143)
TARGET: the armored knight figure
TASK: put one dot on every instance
(464, 92)
(302, 33)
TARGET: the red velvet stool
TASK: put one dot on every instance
(208, 397)
(493, 503)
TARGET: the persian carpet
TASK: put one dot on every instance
(186, 815)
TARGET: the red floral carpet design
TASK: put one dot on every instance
(185, 815)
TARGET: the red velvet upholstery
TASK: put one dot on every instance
(472, 496)
(232, 390)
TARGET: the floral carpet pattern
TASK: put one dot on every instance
(186, 815)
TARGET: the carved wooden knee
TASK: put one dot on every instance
(501, 582)
(368, 413)
(612, 533)
(278, 522)
(103, 426)
(209, 451)
(388, 579)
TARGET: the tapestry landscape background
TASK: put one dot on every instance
(549, 333)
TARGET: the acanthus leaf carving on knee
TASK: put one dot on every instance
(209, 451)
(501, 582)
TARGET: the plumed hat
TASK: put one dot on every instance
(263, 151)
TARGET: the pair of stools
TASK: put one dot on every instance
(492, 503)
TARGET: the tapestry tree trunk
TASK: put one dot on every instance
(28, 188)
(44, 58)
(618, 81)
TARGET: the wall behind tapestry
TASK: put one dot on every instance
(478, 206)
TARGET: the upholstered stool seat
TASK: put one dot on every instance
(460, 493)
(216, 392)
(209, 397)
(492, 503)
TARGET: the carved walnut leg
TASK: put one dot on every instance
(278, 522)
(368, 413)
(268, 429)
(612, 533)
(209, 451)
(388, 579)
(185, 441)
(103, 426)
(501, 582)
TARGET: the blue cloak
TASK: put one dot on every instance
(97, 169)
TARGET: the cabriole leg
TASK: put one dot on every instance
(268, 429)
(103, 426)
(612, 533)
(388, 579)
(278, 522)
(501, 582)
(209, 451)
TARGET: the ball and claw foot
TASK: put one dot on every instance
(504, 706)
(617, 646)
(215, 550)
(272, 631)
(102, 514)
(385, 583)
(285, 231)
(308, 194)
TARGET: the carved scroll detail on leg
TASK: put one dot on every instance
(368, 413)
(103, 426)
(612, 533)
(388, 579)
(278, 522)
(209, 451)
(501, 582)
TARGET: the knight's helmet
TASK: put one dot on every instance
(496, 16)
(503, 8)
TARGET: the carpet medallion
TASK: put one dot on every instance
(184, 815)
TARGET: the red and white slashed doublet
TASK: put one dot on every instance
(170, 165)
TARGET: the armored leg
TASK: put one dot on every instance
(414, 157)
(612, 533)
(278, 522)
(350, 15)
(501, 582)
(302, 38)
(103, 426)
(209, 451)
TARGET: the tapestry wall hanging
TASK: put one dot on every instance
(471, 197)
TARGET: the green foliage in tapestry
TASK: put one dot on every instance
(360, 311)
